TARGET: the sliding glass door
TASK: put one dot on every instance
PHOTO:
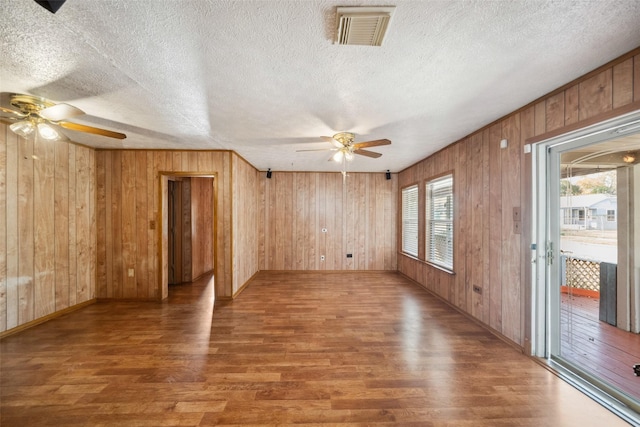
(587, 293)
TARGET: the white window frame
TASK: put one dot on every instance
(439, 222)
(410, 220)
(612, 217)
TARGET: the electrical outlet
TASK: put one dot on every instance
(477, 289)
(130, 272)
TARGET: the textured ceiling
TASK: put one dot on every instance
(264, 78)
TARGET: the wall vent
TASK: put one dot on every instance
(363, 25)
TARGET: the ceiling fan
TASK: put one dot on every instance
(345, 147)
(32, 113)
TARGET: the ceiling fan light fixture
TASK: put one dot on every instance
(348, 155)
(338, 156)
(24, 128)
(629, 158)
(47, 132)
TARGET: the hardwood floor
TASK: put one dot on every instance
(294, 348)
(606, 351)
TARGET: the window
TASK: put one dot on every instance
(439, 211)
(611, 215)
(410, 220)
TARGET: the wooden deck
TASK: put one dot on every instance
(608, 352)
(349, 349)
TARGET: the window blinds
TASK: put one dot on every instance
(440, 221)
(410, 220)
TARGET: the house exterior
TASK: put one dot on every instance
(589, 212)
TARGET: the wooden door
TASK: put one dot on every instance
(175, 232)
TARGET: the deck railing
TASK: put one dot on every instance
(580, 273)
(591, 278)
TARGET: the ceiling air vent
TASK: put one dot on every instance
(363, 25)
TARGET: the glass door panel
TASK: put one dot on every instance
(594, 231)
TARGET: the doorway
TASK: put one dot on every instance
(586, 315)
(179, 223)
(188, 228)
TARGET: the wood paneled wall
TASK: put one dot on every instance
(75, 220)
(127, 217)
(359, 215)
(246, 191)
(201, 226)
(47, 228)
(490, 182)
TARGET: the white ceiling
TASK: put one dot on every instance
(264, 78)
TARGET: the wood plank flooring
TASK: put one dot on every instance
(606, 351)
(351, 349)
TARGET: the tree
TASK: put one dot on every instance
(566, 188)
(599, 183)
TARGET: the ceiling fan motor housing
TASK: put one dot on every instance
(344, 138)
(29, 104)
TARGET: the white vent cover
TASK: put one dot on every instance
(363, 25)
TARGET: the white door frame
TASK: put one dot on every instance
(545, 310)
(544, 256)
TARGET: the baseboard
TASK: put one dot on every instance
(326, 271)
(244, 286)
(488, 328)
(202, 275)
(129, 300)
(46, 318)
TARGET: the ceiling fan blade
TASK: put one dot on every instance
(91, 129)
(367, 153)
(16, 114)
(374, 143)
(60, 112)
